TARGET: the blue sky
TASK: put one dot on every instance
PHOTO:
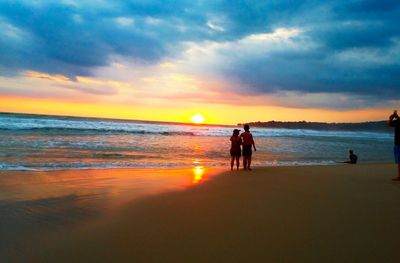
(278, 49)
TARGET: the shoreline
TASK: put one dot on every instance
(183, 167)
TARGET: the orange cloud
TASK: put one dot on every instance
(41, 75)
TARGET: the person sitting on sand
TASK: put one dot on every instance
(248, 141)
(235, 151)
(394, 121)
(352, 158)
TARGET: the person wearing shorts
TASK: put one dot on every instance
(248, 143)
(394, 121)
(235, 150)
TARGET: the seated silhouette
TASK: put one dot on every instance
(352, 158)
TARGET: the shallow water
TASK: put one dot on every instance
(43, 143)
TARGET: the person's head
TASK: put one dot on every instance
(236, 132)
(351, 152)
(246, 127)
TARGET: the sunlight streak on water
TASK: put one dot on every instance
(46, 144)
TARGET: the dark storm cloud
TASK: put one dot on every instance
(364, 28)
(72, 39)
(60, 37)
(315, 72)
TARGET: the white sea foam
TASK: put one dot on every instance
(63, 126)
(59, 143)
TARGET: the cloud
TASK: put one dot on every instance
(86, 85)
(73, 37)
(351, 48)
(306, 66)
(215, 27)
(40, 75)
(70, 40)
(124, 21)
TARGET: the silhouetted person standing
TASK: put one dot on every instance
(248, 142)
(236, 142)
(394, 121)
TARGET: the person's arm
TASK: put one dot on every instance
(391, 121)
(254, 145)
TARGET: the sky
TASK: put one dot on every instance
(230, 61)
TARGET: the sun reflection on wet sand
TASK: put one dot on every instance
(198, 174)
(35, 204)
(112, 184)
(104, 189)
(31, 201)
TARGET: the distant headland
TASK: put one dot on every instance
(372, 126)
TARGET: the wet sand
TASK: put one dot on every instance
(37, 208)
(341, 213)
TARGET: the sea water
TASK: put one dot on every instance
(43, 143)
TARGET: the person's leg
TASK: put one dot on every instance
(398, 171)
(245, 162)
(237, 162)
(232, 160)
(249, 163)
(398, 174)
(397, 161)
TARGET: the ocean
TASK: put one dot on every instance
(46, 143)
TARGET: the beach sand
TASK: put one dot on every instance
(340, 213)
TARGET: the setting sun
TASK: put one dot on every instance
(197, 118)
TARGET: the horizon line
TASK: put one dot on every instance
(181, 123)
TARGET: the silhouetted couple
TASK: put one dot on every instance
(242, 145)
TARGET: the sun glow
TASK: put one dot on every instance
(198, 174)
(197, 118)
